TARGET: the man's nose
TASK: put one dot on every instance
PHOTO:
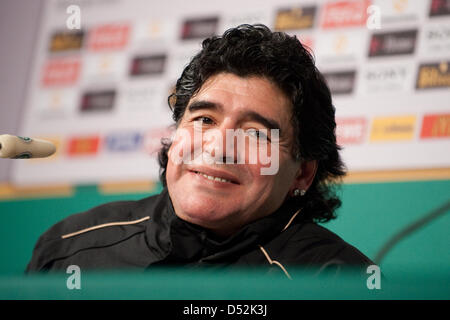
(220, 143)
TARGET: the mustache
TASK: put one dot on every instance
(201, 156)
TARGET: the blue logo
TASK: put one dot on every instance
(123, 142)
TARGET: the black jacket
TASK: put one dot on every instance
(141, 234)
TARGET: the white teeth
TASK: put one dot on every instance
(213, 178)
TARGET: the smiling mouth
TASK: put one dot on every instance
(213, 178)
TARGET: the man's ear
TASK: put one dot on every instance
(305, 176)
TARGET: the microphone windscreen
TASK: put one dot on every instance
(15, 147)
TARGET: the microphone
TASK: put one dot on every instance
(16, 147)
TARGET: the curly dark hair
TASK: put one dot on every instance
(254, 50)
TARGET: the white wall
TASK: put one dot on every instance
(19, 24)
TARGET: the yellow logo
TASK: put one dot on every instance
(433, 76)
(105, 64)
(400, 5)
(55, 100)
(399, 128)
(66, 41)
(294, 18)
(154, 29)
(441, 127)
(340, 43)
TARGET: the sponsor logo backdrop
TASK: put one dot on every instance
(101, 92)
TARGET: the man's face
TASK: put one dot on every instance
(242, 194)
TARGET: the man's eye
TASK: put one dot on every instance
(204, 120)
(260, 134)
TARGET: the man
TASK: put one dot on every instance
(248, 174)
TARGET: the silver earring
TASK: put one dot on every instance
(298, 192)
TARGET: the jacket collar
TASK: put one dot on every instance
(175, 241)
